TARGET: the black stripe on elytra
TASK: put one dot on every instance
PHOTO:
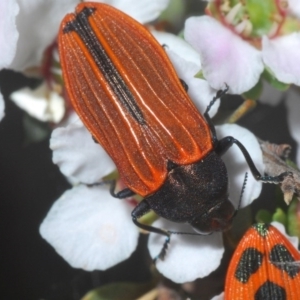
(82, 27)
(249, 263)
(270, 291)
(281, 254)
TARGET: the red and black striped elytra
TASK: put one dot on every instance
(127, 93)
(263, 267)
(147, 133)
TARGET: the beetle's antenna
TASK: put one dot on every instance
(163, 251)
(219, 95)
(100, 183)
(241, 195)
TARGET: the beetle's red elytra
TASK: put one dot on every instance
(263, 267)
(127, 93)
(114, 54)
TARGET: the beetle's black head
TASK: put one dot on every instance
(196, 194)
(218, 218)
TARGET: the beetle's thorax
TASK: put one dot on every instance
(191, 190)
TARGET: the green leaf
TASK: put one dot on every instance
(149, 218)
(263, 216)
(174, 12)
(280, 216)
(112, 176)
(255, 92)
(270, 77)
(293, 224)
(291, 24)
(291, 164)
(199, 75)
(260, 14)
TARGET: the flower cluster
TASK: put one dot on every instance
(231, 44)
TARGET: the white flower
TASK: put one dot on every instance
(27, 28)
(41, 103)
(142, 11)
(281, 55)
(8, 32)
(187, 64)
(8, 38)
(294, 7)
(237, 165)
(37, 23)
(90, 229)
(188, 257)
(77, 154)
(227, 56)
(293, 109)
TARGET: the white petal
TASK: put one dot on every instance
(187, 63)
(143, 11)
(188, 257)
(293, 109)
(294, 7)
(219, 297)
(178, 46)
(2, 107)
(237, 166)
(294, 240)
(282, 56)
(78, 156)
(225, 57)
(90, 229)
(38, 23)
(40, 103)
(8, 31)
(198, 89)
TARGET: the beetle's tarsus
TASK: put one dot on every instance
(163, 251)
(275, 179)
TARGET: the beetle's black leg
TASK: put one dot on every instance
(219, 95)
(141, 209)
(225, 143)
(121, 194)
(183, 83)
(94, 139)
(149, 228)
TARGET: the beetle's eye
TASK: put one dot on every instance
(213, 225)
(210, 225)
(221, 224)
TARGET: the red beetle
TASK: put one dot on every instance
(265, 265)
(127, 93)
